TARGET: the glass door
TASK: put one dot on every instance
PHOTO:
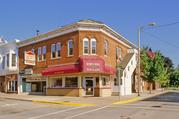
(89, 86)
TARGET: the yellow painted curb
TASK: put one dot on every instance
(127, 101)
(63, 103)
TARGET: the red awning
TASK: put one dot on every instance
(72, 68)
(87, 64)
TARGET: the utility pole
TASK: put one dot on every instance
(139, 33)
(119, 80)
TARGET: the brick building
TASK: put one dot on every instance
(79, 59)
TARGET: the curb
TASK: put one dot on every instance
(52, 102)
(135, 99)
(27, 100)
(64, 103)
(127, 101)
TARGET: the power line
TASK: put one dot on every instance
(158, 38)
(164, 25)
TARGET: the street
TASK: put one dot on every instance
(164, 106)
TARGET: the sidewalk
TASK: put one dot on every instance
(81, 101)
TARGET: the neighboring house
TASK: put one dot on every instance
(8, 66)
(79, 59)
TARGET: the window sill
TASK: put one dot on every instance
(41, 61)
(70, 55)
(55, 58)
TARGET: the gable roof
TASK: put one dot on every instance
(126, 60)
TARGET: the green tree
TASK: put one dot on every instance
(174, 78)
(153, 68)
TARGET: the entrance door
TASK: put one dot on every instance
(89, 84)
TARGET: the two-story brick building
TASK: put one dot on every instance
(79, 59)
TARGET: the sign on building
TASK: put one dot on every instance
(29, 58)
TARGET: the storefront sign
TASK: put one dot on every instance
(93, 67)
(29, 58)
(28, 71)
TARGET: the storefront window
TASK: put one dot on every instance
(12, 86)
(105, 81)
(71, 82)
(57, 82)
(116, 82)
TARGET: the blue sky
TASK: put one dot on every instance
(21, 18)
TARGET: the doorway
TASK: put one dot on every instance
(89, 86)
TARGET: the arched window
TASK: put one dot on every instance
(93, 46)
(118, 53)
(85, 46)
(70, 47)
(105, 47)
(58, 49)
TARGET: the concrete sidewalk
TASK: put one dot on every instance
(81, 101)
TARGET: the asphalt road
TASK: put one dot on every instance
(164, 106)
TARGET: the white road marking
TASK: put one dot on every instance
(8, 105)
(53, 113)
(94, 110)
(147, 108)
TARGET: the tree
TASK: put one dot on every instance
(174, 78)
(152, 65)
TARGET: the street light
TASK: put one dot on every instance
(152, 24)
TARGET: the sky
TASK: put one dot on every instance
(19, 19)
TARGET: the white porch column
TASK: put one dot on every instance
(19, 90)
(79, 82)
(100, 85)
(63, 81)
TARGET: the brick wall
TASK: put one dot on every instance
(77, 36)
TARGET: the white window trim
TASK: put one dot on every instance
(43, 53)
(38, 54)
(51, 51)
(106, 49)
(58, 43)
(68, 48)
(93, 39)
(85, 39)
(15, 59)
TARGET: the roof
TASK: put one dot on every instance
(74, 27)
(126, 60)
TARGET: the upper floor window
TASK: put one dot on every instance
(39, 54)
(33, 50)
(85, 46)
(58, 49)
(70, 47)
(93, 46)
(105, 47)
(118, 53)
(8, 60)
(13, 60)
(3, 62)
(53, 51)
(44, 51)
